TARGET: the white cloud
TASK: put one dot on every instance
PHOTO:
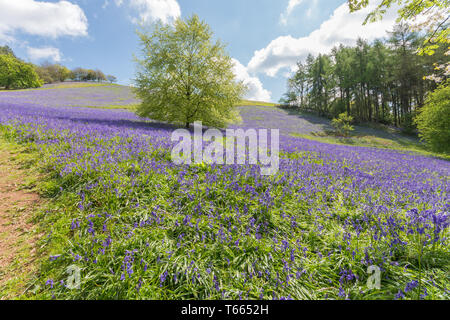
(341, 27)
(291, 6)
(153, 10)
(46, 19)
(256, 90)
(46, 53)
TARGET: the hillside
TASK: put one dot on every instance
(138, 226)
(254, 114)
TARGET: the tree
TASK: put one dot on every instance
(433, 121)
(91, 75)
(99, 76)
(343, 58)
(63, 73)
(51, 73)
(77, 74)
(434, 11)
(44, 74)
(343, 124)
(15, 74)
(111, 78)
(7, 50)
(384, 81)
(184, 77)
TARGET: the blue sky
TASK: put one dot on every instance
(265, 37)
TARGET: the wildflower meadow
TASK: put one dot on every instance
(126, 222)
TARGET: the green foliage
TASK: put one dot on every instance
(149, 219)
(255, 103)
(380, 82)
(7, 50)
(15, 74)
(111, 78)
(80, 74)
(433, 121)
(184, 77)
(435, 23)
(288, 98)
(342, 124)
(99, 75)
(52, 73)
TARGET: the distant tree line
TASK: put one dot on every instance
(384, 81)
(18, 74)
(52, 73)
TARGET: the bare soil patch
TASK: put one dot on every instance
(18, 236)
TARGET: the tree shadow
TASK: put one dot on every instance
(314, 119)
(133, 124)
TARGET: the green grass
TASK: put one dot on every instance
(67, 85)
(159, 245)
(257, 103)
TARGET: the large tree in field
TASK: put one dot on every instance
(183, 76)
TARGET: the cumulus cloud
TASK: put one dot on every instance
(45, 53)
(341, 27)
(256, 90)
(153, 10)
(46, 19)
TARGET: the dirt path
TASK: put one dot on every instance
(17, 234)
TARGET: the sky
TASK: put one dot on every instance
(265, 38)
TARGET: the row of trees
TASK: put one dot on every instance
(80, 74)
(385, 81)
(52, 73)
(17, 74)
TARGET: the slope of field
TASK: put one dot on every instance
(74, 94)
(311, 127)
(137, 226)
(86, 94)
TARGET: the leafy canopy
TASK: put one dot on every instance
(433, 121)
(434, 12)
(51, 73)
(342, 124)
(15, 74)
(184, 77)
(6, 50)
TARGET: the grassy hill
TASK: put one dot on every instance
(138, 226)
(254, 114)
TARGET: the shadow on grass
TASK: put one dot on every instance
(137, 124)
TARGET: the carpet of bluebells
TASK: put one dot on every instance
(76, 94)
(141, 227)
